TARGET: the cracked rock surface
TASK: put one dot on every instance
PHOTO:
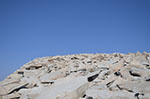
(81, 76)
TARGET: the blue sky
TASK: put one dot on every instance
(37, 28)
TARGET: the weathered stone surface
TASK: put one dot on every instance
(11, 88)
(52, 76)
(62, 89)
(82, 76)
(3, 91)
(106, 94)
(11, 96)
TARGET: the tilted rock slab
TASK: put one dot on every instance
(68, 88)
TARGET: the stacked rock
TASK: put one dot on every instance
(81, 76)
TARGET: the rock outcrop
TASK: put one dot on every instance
(82, 76)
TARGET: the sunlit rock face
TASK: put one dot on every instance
(81, 76)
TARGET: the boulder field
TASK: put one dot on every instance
(81, 76)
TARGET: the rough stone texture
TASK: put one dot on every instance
(82, 76)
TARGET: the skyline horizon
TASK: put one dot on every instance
(32, 29)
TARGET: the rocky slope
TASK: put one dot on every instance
(82, 76)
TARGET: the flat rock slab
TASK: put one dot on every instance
(67, 88)
(106, 94)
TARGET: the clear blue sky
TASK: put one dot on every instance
(37, 28)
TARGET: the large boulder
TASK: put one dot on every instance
(68, 88)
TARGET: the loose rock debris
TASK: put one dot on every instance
(81, 76)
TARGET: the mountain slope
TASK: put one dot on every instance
(81, 76)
